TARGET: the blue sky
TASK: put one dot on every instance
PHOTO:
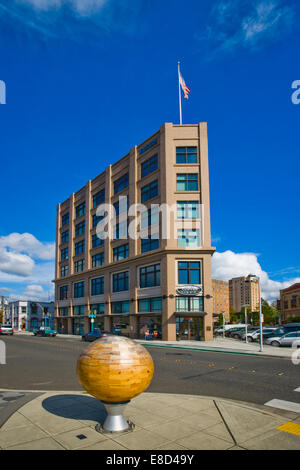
(88, 79)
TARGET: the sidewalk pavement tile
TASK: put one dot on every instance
(203, 441)
(141, 440)
(53, 424)
(20, 435)
(245, 423)
(41, 444)
(274, 440)
(173, 430)
(17, 420)
(203, 420)
(171, 446)
(109, 444)
(219, 430)
(70, 439)
(144, 419)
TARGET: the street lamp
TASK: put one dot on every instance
(92, 316)
(246, 323)
(223, 313)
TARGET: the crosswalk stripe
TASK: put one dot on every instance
(297, 389)
(284, 405)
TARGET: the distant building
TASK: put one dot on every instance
(221, 298)
(244, 291)
(290, 302)
(4, 309)
(28, 315)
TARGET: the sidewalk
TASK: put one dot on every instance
(219, 344)
(66, 420)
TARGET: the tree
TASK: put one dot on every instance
(270, 313)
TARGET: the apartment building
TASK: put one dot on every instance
(244, 291)
(149, 285)
(221, 298)
(28, 315)
(290, 302)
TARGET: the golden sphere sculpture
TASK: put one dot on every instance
(115, 369)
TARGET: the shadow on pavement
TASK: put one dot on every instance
(75, 407)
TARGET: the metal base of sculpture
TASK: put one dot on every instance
(115, 420)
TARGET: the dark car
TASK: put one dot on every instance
(96, 334)
(231, 331)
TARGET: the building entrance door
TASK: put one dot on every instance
(190, 328)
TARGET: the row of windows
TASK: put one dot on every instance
(149, 305)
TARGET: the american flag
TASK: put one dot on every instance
(184, 86)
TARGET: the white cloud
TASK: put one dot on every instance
(27, 243)
(247, 24)
(228, 265)
(15, 263)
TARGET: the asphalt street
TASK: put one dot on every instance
(35, 363)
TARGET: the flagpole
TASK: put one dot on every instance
(180, 107)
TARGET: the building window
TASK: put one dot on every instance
(99, 198)
(97, 308)
(65, 236)
(120, 307)
(79, 247)
(63, 311)
(97, 219)
(79, 266)
(187, 182)
(121, 183)
(150, 305)
(80, 210)
(189, 272)
(149, 166)
(65, 219)
(121, 230)
(149, 191)
(121, 281)
(121, 206)
(150, 276)
(98, 286)
(121, 252)
(149, 244)
(96, 241)
(78, 310)
(186, 155)
(63, 292)
(80, 229)
(79, 290)
(64, 254)
(188, 238)
(189, 304)
(188, 210)
(294, 301)
(64, 271)
(98, 260)
(150, 217)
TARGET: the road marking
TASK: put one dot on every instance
(291, 428)
(297, 389)
(284, 405)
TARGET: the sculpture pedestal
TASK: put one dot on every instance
(115, 420)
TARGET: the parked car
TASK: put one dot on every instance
(232, 331)
(267, 334)
(290, 327)
(253, 335)
(219, 331)
(44, 331)
(285, 340)
(6, 330)
(241, 334)
(96, 334)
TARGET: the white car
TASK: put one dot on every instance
(289, 339)
(6, 330)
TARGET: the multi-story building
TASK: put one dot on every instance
(244, 291)
(221, 298)
(29, 315)
(290, 302)
(146, 282)
(4, 310)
